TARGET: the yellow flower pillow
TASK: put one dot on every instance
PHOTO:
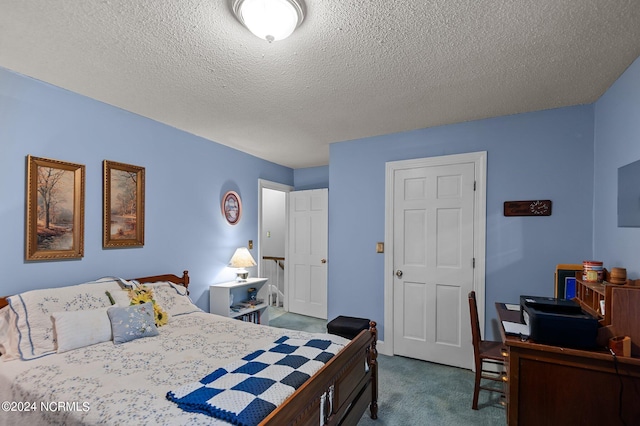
(143, 294)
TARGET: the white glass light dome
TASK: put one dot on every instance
(270, 20)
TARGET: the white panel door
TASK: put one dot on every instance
(433, 255)
(307, 263)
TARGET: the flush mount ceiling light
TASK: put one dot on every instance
(270, 20)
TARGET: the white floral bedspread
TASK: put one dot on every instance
(127, 384)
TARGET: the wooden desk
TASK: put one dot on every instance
(552, 385)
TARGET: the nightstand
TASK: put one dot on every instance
(221, 295)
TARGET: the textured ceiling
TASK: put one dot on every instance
(355, 68)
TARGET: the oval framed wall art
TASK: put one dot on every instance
(231, 207)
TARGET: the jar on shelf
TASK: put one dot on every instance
(592, 271)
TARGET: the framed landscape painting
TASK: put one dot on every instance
(123, 206)
(55, 209)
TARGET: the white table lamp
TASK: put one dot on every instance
(240, 260)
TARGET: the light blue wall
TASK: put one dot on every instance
(617, 143)
(311, 178)
(540, 155)
(548, 154)
(186, 177)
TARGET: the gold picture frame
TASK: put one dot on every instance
(55, 209)
(123, 205)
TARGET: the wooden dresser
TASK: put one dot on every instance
(552, 385)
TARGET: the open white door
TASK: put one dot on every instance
(307, 262)
(272, 242)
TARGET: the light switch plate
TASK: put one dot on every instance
(379, 247)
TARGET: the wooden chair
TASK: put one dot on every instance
(485, 351)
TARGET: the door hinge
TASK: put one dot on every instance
(474, 185)
(473, 262)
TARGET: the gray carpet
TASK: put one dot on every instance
(413, 392)
(296, 322)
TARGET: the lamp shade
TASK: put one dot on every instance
(270, 19)
(242, 259)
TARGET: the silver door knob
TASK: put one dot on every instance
(399, 273)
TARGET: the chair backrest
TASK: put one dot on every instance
(475, 326)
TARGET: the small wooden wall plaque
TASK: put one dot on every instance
(527, 208)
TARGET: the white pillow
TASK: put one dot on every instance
(77, 329)
(120, 297)
(8, 335)
(32, 311)
(172, 298)
(4, 329)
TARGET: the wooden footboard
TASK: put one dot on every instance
(339, 393)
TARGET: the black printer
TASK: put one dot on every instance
(560, 322)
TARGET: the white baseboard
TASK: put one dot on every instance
(386, 350)
(382, 349)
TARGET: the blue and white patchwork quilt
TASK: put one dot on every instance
(246, 391)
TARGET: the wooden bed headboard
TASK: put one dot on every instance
(184, 281)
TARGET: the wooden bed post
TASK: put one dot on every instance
(185, 280)
(373, 365)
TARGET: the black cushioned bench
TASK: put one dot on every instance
(347, 327)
